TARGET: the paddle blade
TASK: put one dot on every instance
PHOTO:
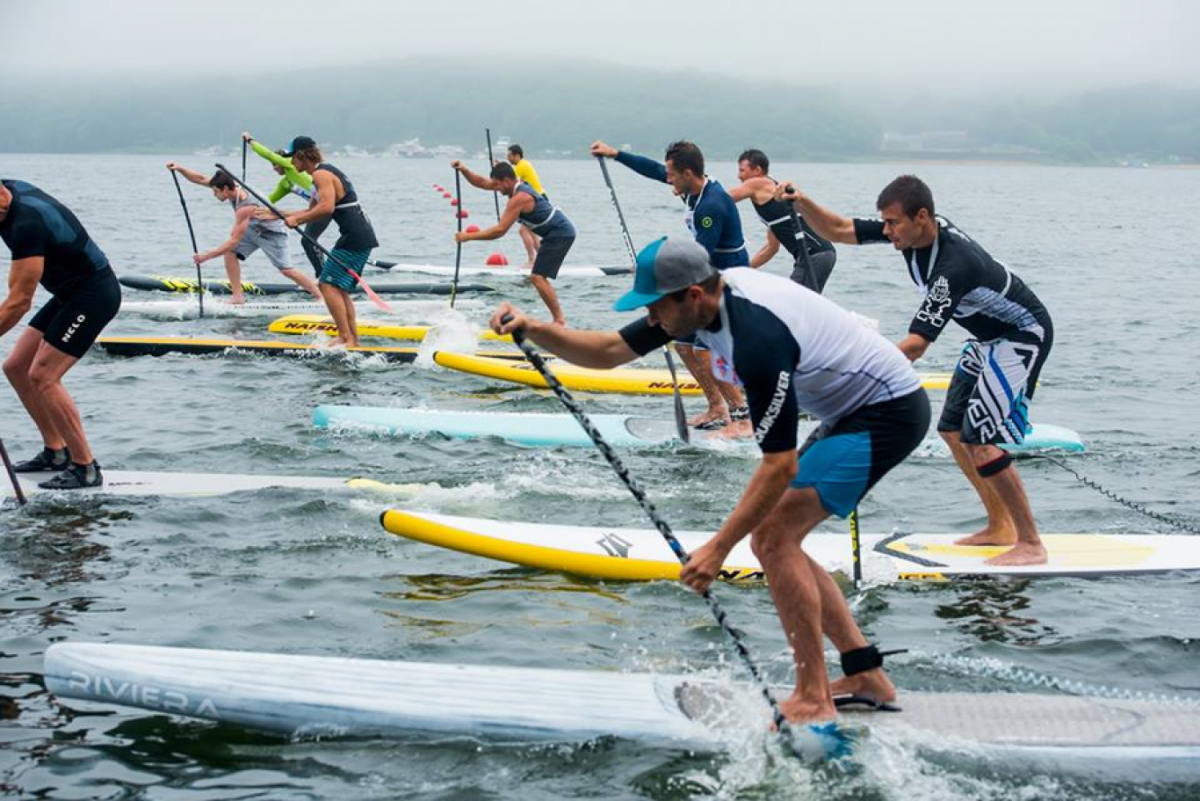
(681, 426)
(378, 301)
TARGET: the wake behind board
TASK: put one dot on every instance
(162, 283)
(161, 346)
(310, 696)
(627, 554)
(299, 324)
(569, 271)
(626, 381)
(147, 484)
(188, 309)
(562, 430)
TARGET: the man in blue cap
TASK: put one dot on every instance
(790, 349)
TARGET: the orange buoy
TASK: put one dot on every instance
(463, 214)
(472, 229)
(497, 260)
(453, 201)
(446, 195)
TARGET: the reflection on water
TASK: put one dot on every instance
(989, 611)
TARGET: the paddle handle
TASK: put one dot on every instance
(12, 475)
(378, 301)
(192, 234)
(664, 529)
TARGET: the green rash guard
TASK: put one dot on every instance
(294, 181)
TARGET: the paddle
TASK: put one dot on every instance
(535, 358)
(457, 244)
(244, 144)
(491, 163)
(681, 426)
(856, 549)
(192, 234)
(378, 301)
(802, 259)
(12, 474)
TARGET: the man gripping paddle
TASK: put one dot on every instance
(987, 404)
(51, 247)
(300, 184)
(791, 350)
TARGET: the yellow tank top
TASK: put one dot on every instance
(528, 174)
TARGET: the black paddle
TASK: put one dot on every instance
(378, 301)
(809, 275)
(12, 474)
(244, 144)
(781, 722)
(856, 550)
(457, 244)
(491, 163)
(192, 234)
(681, 426)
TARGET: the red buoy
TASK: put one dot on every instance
(463, 214)
(497, 260)
(453, 201)
(446, 195)
(472, 229)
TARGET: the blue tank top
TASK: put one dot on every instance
(546, 220)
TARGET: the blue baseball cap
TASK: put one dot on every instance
(300, 143)
(663, 267)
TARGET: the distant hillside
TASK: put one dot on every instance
(563, 107)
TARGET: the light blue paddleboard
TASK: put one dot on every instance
(554, 430)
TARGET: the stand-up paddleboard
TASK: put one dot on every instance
(311, 696)
(554, 430)
(162, 283)
(624, 381)
(568, 271)
(628, 554)
(144, 483)
(187, 309)
(320, 324)
(160, 346)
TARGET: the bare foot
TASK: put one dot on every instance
(561, 321)
(712, 414)
(872, 683)
(238, 299)
(739, 429)
(1000, 535)
(799, 708)
(1023, 553)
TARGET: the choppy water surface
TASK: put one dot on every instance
(1112, 252)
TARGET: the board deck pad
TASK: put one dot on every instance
(310, 696)
(148, 483)
(165, 283)
(161, 346)
(562, 430)
(621, 380)
(641, 554)
(189, 309)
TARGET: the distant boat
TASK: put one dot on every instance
(214, 150)
(408, 149)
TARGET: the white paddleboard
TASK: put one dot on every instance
(554, 430)
(310, 696)
(628, 554)
(141, 483)
(216, 307)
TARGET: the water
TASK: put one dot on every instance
(1111, 252)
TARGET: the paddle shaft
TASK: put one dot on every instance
(664, 529)
(12, 474)
(802, 259)
(457, 244)
(681, 426)
(378, 301)
(245, 145)
(856, 549)
(491, 163)
(192, 234)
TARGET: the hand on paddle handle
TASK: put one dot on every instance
(787, 192)
(600, 148)
(173, 166)
(462, 236)
(246, 137)
(702, 566)
(458, 165)
(292, 220)
(199, 258)
(508, 318)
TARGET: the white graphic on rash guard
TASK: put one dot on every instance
(782, 387)
(936, 301)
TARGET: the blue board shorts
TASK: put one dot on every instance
(843, 461)
(337, 266)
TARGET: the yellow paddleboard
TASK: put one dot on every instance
(624, 381)
(316, 323)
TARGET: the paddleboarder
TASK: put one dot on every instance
(528, 175)
(792, 350)
(987, 403)
(713, 219)
(759, 187)
(334, 197)
(51, 247)
(254, 228)
(300, 184)
(535, 213)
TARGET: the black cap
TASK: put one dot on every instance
(301, 143)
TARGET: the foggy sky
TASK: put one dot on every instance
(876, 47)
